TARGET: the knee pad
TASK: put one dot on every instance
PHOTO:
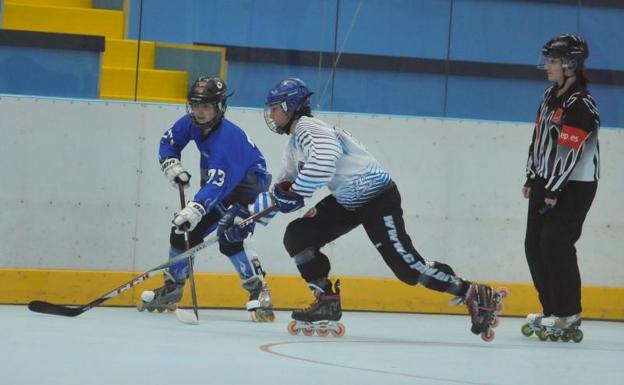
(230, 249)
(312, 264)
(293, 241)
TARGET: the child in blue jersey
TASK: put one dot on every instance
(233, 174)
(361, 193)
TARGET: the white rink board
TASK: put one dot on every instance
(82, 189)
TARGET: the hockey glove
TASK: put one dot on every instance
(264, 200)
(175, 172)
(228, 230)
(187, 218)
(287, 200)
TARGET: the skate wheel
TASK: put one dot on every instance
(292, 328)
(526, 330)
(150, 309)
(565, 337)
(577, 336)
(488, 336)
(341, 330)
(553, 338)
(495, 322)
(542, 335)
(322, 332)
(140, 307)
(308, 332)
(261, 316)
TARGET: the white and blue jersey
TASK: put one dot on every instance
(319, 155)
(229, 158)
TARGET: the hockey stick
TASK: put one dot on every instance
(68, 311)
(184, 316)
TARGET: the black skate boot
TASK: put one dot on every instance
(260, 305)
(164, 298)
(322, 315)
(484, 304)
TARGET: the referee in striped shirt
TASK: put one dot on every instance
(562, 178)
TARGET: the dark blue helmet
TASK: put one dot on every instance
(293, 96)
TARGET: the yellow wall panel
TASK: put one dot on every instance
(154, 85)
(55, 3)
(123, 53)
(64, 20)
(78, 287)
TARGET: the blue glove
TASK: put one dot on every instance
(287, 200)
(228, 229)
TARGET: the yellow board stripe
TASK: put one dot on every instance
(77, 287)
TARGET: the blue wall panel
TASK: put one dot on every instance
(164, 21)
(388, 93)
(286, 24)
(416, 28)
(604, 30)
(491, 31)
(507, 31)
(380, 92)
(251, 82)
(48, 72)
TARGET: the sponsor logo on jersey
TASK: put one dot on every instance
(572, 137)
(557, 116)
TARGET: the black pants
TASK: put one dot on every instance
(382, 218)
(549, 245)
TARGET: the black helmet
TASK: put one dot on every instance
(571, 49)
(208, 90)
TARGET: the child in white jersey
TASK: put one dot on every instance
(362, 193)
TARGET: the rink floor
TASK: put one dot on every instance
(116, 346)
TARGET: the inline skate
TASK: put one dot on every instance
(322, 316)
(164, 298)
(484, 305)
(260, 305)
(554, 328)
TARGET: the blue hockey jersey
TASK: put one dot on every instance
(228, 158)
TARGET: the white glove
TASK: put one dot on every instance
(187, 218)
(175, 173)
(264, 200)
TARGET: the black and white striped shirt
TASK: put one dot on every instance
(319, 155)
(565, 140)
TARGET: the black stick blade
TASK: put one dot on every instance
(50, 308)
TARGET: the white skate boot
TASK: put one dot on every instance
(532, 324)
(566, 328)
